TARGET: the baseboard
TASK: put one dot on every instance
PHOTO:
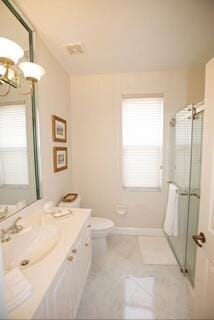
(155, 232)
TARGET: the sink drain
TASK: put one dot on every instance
(24, 262)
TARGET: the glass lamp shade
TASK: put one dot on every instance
(32, 71)
(10, 72)
(10, 51)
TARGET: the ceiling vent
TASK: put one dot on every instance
(76, 49)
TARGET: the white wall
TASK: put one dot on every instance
(196, 85)
(53, 98)
(96, 141)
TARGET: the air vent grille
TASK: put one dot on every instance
(75, 49)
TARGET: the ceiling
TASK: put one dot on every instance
(125, 35)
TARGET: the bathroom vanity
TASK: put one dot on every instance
(58, 279)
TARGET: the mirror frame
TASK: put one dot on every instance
(30, 31)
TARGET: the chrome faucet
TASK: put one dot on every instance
(3, 211)
(15, 228)
(5, 236)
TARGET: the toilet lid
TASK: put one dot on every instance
(101, 223)
(73, 204)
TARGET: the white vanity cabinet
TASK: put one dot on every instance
(87, 252)
(77, 272)
(41, 311)
(64, 295)
(59, 297)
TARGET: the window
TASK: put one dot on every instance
(13, 146)
(142, 135)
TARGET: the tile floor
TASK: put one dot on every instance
(120, 286)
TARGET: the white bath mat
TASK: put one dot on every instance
(156, 250)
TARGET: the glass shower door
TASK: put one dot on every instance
(194, 200)
(181, 178)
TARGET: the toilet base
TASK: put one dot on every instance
(99, 246)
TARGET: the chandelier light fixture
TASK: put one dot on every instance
(14, 74)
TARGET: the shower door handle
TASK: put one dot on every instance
(201, 237)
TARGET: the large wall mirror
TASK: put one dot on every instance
(19, 175)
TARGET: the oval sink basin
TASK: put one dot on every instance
(30, 247)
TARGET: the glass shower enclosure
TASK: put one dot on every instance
(185, 169)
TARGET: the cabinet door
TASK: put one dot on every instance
(57, 300)
(77, 275)
(41, 312)
(86, 252)
(70, 285)
(64, 296)
(87, 256)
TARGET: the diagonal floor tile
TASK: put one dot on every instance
(120, 286)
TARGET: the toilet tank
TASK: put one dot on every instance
(73, 204)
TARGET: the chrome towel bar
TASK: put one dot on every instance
(184, 193)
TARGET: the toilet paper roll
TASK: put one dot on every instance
(121, 210)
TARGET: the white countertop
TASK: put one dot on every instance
(42, 274)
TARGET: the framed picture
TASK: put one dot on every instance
(60, 158)
(59, 129)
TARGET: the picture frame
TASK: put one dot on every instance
(60, 158)
(59, 129)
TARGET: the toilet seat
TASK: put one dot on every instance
(101, 227)
(101, 224)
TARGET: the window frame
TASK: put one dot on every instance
(140, 96)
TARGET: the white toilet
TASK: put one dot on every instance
(100, 228)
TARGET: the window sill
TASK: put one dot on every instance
(141, 189)
(14, 186)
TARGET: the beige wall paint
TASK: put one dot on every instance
(96, 142)
(195, 85)
(53, 98)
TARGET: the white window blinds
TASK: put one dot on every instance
(142, 135)
(13, 146)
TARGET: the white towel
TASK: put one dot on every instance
(171, 218)
(18, 288)
(62, 212)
